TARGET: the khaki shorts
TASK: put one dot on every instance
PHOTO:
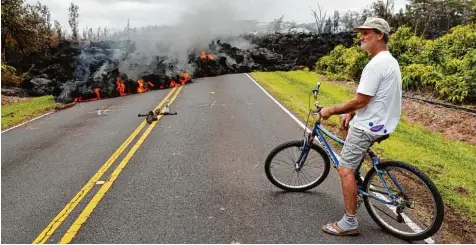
(356, 145)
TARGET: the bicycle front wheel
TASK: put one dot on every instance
(419, 210)
(281, 171)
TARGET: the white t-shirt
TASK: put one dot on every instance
(381, 78)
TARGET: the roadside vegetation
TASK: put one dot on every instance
(24, 110)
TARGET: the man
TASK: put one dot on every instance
(377, 109)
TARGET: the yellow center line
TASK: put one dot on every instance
(58, 220)
(74, 228)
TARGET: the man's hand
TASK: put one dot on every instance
(326, 112)
(344, 121)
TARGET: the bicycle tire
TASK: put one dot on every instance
(297, 143)
(438, 221)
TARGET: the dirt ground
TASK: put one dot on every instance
(6, 100)
(450, 123)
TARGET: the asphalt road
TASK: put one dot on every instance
(198, 177)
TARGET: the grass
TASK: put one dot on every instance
(16, 113)
(450, 164)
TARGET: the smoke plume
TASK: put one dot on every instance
(200, 23)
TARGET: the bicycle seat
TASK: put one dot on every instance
(379, 140)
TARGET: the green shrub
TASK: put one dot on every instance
(343, 64)
(405, 46)
(453, 88)
(412, 75)
(446, 65)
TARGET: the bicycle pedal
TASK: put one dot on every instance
(360, 200)
(400, 218)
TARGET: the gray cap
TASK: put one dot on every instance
(375, 23)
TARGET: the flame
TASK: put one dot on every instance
(204, 56)
(141, 88)
(97, 90)
(121, 87)
(185, 78)
(172, 84)
(150, 84)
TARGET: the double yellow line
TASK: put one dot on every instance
(74, 228)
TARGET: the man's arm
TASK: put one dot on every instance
(360, 101)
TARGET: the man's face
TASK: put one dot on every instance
(368, 39)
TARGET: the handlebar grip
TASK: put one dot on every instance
(315, 91)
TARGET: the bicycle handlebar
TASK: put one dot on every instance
(315, 92)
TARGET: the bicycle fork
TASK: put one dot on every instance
(304, 152)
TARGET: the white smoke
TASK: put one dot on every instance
(201, 22)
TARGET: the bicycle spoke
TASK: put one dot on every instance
(385, 213)
(415, 210)
(380, 192)
(291, 157)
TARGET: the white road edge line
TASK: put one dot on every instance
(6, 130)
(407, 220)
(279, 104)
(410, 223)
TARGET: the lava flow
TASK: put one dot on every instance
(96, 91)
(142, 86)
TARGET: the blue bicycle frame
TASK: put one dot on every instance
(319, 132)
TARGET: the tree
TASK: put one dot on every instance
(328, 26)
(25, 29)
(105, 32)
(431, 18)
(90, 34)
(58, 31)
(98, 32)
(383, 9)
(472, 17)
(85, 33)
(350, 20)
(11, 24)
(319, 18)
(73, 20)
(397, 20)
(128, 30)
(336, 21)
(276, 25)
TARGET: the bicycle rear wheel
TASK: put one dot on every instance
(280, 167)
(419, 211)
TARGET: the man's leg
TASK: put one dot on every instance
(349, 189)
(355, 147)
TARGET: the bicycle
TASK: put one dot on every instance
(390, 196)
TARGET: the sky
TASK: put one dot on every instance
(115, 13)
